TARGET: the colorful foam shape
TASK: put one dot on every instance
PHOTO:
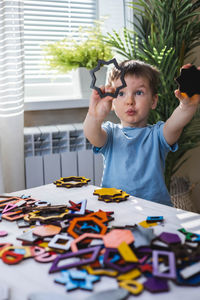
(169, 238)
(46, 230)
(154, 219)
(122, 268)
(94, 251)
(116, 236)
(61, 242)
(133, 286)
(192, 281)
(77, 279)
(156, 285)
(97, 68)
(188, 81)
(171, 263)
(11, 258)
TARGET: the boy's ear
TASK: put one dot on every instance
(154, 101)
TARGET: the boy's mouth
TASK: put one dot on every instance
(130, 112)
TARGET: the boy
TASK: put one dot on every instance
(134, 152)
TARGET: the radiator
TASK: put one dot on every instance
(58, 151)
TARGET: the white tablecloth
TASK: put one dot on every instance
(30, 276)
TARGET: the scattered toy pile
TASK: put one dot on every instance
(82, 246)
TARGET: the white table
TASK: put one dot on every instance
(29, 276)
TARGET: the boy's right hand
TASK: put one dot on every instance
(99, 107)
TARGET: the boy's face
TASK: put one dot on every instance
(134, 102)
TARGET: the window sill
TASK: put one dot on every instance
(33, 104)
(53, 96)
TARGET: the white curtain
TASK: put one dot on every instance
(11, 96)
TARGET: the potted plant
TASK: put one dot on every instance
(165, 33)
(79, 56)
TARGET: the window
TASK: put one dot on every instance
(48, 21)
(52, 20)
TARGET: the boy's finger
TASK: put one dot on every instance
(109, 89)
(104, 90)
(186, 66)
(177, 93)
(180, 95)
(95, 95)
(183, 96)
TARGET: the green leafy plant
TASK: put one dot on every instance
(67, 54)
(165, 34)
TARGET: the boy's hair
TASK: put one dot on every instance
(139, 69)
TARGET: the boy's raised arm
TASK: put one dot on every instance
(98, 111)
(181, 116)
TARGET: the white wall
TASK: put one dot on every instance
(12, 152)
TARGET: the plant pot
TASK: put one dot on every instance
(81, 80)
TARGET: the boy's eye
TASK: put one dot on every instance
(121, 94)
(139, 93)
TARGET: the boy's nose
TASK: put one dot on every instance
(130, 100)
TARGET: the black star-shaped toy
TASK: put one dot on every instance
(97, 68)
(189, 81)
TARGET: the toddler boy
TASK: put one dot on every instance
(134, 152)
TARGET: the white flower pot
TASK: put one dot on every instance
(81, 80)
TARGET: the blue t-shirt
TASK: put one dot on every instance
(134, 160)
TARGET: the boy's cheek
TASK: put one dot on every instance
(113, 104)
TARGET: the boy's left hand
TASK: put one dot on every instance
(183, 97)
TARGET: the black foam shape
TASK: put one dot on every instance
(189, 81)
(97, 68)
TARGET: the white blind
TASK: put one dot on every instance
(11, 58)
(48, 21)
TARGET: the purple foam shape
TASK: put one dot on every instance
(94, 253)
(121, 268)
(156, 285)
(144, 250)
(171, 263)
(169, 238)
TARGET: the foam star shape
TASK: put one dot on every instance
(97, 68)
(189, 81)
(108, 192)
(77, 279)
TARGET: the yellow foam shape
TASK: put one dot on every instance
(107, 192)
(130, 275)
(133, 286)
(146, 224)
(90, 270)
(127, 253)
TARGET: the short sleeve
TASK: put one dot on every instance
(163, 141)
(107, 126)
